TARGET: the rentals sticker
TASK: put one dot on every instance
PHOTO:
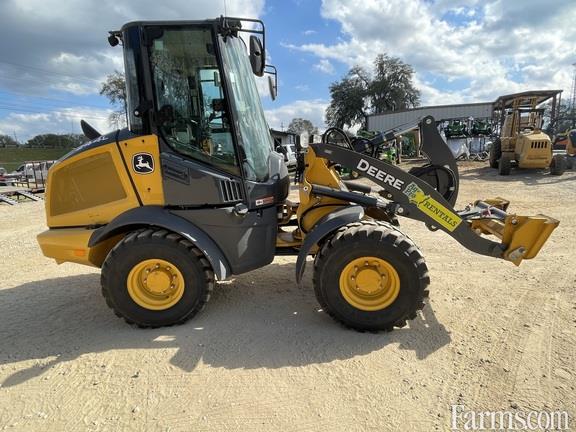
(431, 207)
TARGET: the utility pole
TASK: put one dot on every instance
(572, 106)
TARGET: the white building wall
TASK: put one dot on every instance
(383, 122)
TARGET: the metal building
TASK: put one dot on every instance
(389, 120)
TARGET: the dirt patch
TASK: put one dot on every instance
(262, 357)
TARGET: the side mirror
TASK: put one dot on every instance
(272, 88)
(257, 54)
(271, 71)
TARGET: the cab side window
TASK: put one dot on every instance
(192, 113)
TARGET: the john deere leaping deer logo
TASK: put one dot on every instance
(143, 163)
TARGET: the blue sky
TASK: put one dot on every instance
(54, 53)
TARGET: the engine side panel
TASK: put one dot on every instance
(88, 188)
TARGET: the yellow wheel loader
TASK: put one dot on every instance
(192, 192)
(521, 142)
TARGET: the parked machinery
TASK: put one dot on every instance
(565, 143)
(193, 192)
(456, 129)
(521, 142)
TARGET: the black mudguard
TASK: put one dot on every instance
(328, 224)
(160, 217)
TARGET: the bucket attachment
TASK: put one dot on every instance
(522, 236)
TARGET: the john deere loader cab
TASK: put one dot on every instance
(521, 141)
(192, 192)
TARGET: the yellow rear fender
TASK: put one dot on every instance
(71, 245)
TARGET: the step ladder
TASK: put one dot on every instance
(29, 195)
(7, 200)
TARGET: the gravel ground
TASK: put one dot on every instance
(262, 356)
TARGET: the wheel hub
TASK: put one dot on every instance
(155, 284)
(369, 283)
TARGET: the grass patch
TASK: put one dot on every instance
(12, 158)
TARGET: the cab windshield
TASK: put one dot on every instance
(251, 125)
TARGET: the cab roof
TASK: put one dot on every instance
(506, 101)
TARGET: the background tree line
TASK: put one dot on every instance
(46, 141)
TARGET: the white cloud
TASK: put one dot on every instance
(324, 66)
(54, 44)
(312, 110)
(492, 47)
(309, 32)
(51, 46)
(65, 120)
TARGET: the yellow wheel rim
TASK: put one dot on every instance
(155, 284)
(369, 283)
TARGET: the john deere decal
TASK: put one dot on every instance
(143, 163)
(431, 207)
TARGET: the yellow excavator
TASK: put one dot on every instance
(192, 192)
(521, 142)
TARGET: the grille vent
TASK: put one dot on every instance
(230, 190)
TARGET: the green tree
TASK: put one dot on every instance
(299, 125)
(565, 118)
(114, 88)
(389, 88)
(56, 141)
(392, 88)
(348, 105)
(7, 141)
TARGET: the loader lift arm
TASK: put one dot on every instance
(410, 196)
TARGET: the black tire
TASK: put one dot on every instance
(371, 239)
(504, 166)
(569, 162)
(558, 165)
(495, 153)
(156, 244)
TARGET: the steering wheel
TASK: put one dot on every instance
(340, 132)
